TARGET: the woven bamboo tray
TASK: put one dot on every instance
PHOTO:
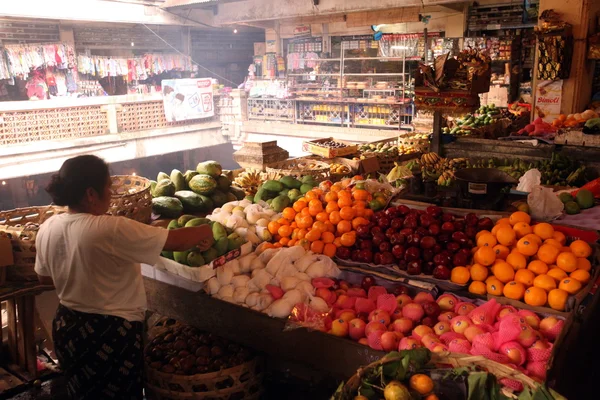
(131, 198)
(22, 225)
(243, 382)
(299, 167)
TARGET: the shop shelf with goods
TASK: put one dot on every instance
(495, 17)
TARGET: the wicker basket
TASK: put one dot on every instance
(22, 225)
(131, 198)
(299, 167)
(421, 145)
(243, 382)
(445, 359)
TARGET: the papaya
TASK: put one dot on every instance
(273, 186)
(192, 202)
(189, 174)
(164, 187)
(178, 180)
(259, 195)
(152, 187)
(209, 205)
(284, 192)
(218, 197)
(239, 193)
(195, 259)
(161, 176)
(309, 179)
(223, 183)
(234, 241)
(197, 222)
(231, 197)
(294, 195)
(249, 198)
(168, 207)
(218, 231)
(211, 168)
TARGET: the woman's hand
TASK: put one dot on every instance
(186, 238)
(208, 240)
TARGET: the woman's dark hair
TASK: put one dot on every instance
(75, 177)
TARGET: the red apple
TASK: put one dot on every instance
(356, 328)
(339, 327)
(413, 311)
(434, 211)
(380, 316)
(446, 316)
(374, 326)
(441, 272)
(403, 299)
(397, 223)
(423, 297)
(442, 327)
(434, 229)
(412, 254)
(408, 343)
(387, 258)
(432, 309)
(363, 231)
(367, 282)
(472, 331)
(428, 321)
(365, 244)
(347, 315)
(403, 210)
(460, 324)
(389, 341)
(414, 267)
(343, 252)
(447, 302)
(448, 227)
(402, 325)
(428, 242)
(471, 219)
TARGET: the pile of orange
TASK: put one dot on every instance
(322, 222)
(530, 263)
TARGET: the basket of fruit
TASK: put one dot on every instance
(185, 363)
(21, 226)
(417, 143)
(329, 148)
(300, 167)
(131, 198)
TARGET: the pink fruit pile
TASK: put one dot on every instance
(418, 241)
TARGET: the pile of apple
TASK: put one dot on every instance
(417, 241)
(371, 315)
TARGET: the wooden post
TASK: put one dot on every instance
(11, 311)
(21, 355)
(436, 139)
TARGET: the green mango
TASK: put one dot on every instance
(284, 192)
(249, 198)
(305, 188)
(218, 231)
(152, 186)
(195, 259)
(290, 182)
(209, 255)
(184, 219)
(174, 224)
(234, 241)
(280, 202)
(273, 186)
(294, 195)
(181, 256)
(167, 254)
(197, 222)
(221, 246)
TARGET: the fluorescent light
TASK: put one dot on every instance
(235, 31)
(399, 47)
(132, 44)
(3, 183)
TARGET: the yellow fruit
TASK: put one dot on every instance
(494, 286)
(421, 383)
(535, 296)
(527, 247)
(581, 249)
(514, 290)
(504, 272)
(557, 299)
(544, 230)
(581, 275)
(519, 216)
(460, 275)
(557, 274)
(517, 260)
(570, 285)
(396, 391)
(506, 235)
(584, 264)
(567, 262)
(525, 277)
(479, 272)
(538, 267)
(477, 287)
(545, 282)
(548, 253)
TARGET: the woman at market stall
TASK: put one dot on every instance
(93, 260)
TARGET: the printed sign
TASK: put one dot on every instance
(188, 99)
(548, 97)
(271, 46)
(303, 30)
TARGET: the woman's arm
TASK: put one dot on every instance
(185, 238)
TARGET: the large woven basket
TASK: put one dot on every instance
(299, 167)
(131, 198)
(240, 382)
(22, 226)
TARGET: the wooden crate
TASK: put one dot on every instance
(577, 138)
(315, 147)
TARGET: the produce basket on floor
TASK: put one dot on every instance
(131, 198)
(299, 167)
(22, 226)
(407, 150)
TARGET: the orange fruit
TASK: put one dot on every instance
(358, 221)
(344, 202)
(331, 207)
(514, 290)
(285, 231)
(479, 272)
(359, 211)
(522, 229)
(517, 260)
(312, 195)
(535, 296)
(348, 239)
(506, 235)
(327, 237)
(481, 233)
(303, 243)
(557, 274)
(347, 213)
(477, 287)
(581, 249)
(299, 205)
(305, 212)
(504, 272)
(288, 213)
(498, 226)
(284, 241)
(421, 383)
(581, 275)
(553, 242)
(273, 227)
(527, 247)
(501, 252)
(538, 267)
(485, 256)
(584, 264)
(317, 246)
(283, 221)
(313, 235)
(301, 234)
(360, 194)
(519, 216)
(570, 285)
(344, 226)
(544, 230)
(320, 226)
(494, 286)
(337, 242)
(292, 242)
(329, 250)
(560, 237)
(305, 222)
(322, 216)
(334, 217)
(329, 227)
(331, 197)
(315, 208)
(487, 240)
(525, 277)
(534, 238)
(567, 262)
(460, 275)
(294, 225)
(503, 221)
(548, 253)
(545, 282)
(557, 299)
(277, 245)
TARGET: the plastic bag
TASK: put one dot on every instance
(592, 186)
(544, 204)
(529, 180)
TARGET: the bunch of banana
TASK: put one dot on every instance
(430, 158)
(446, 179)
(339, 169)
(270, 176)
(249, 180)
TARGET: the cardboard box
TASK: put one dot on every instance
(315, 148)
